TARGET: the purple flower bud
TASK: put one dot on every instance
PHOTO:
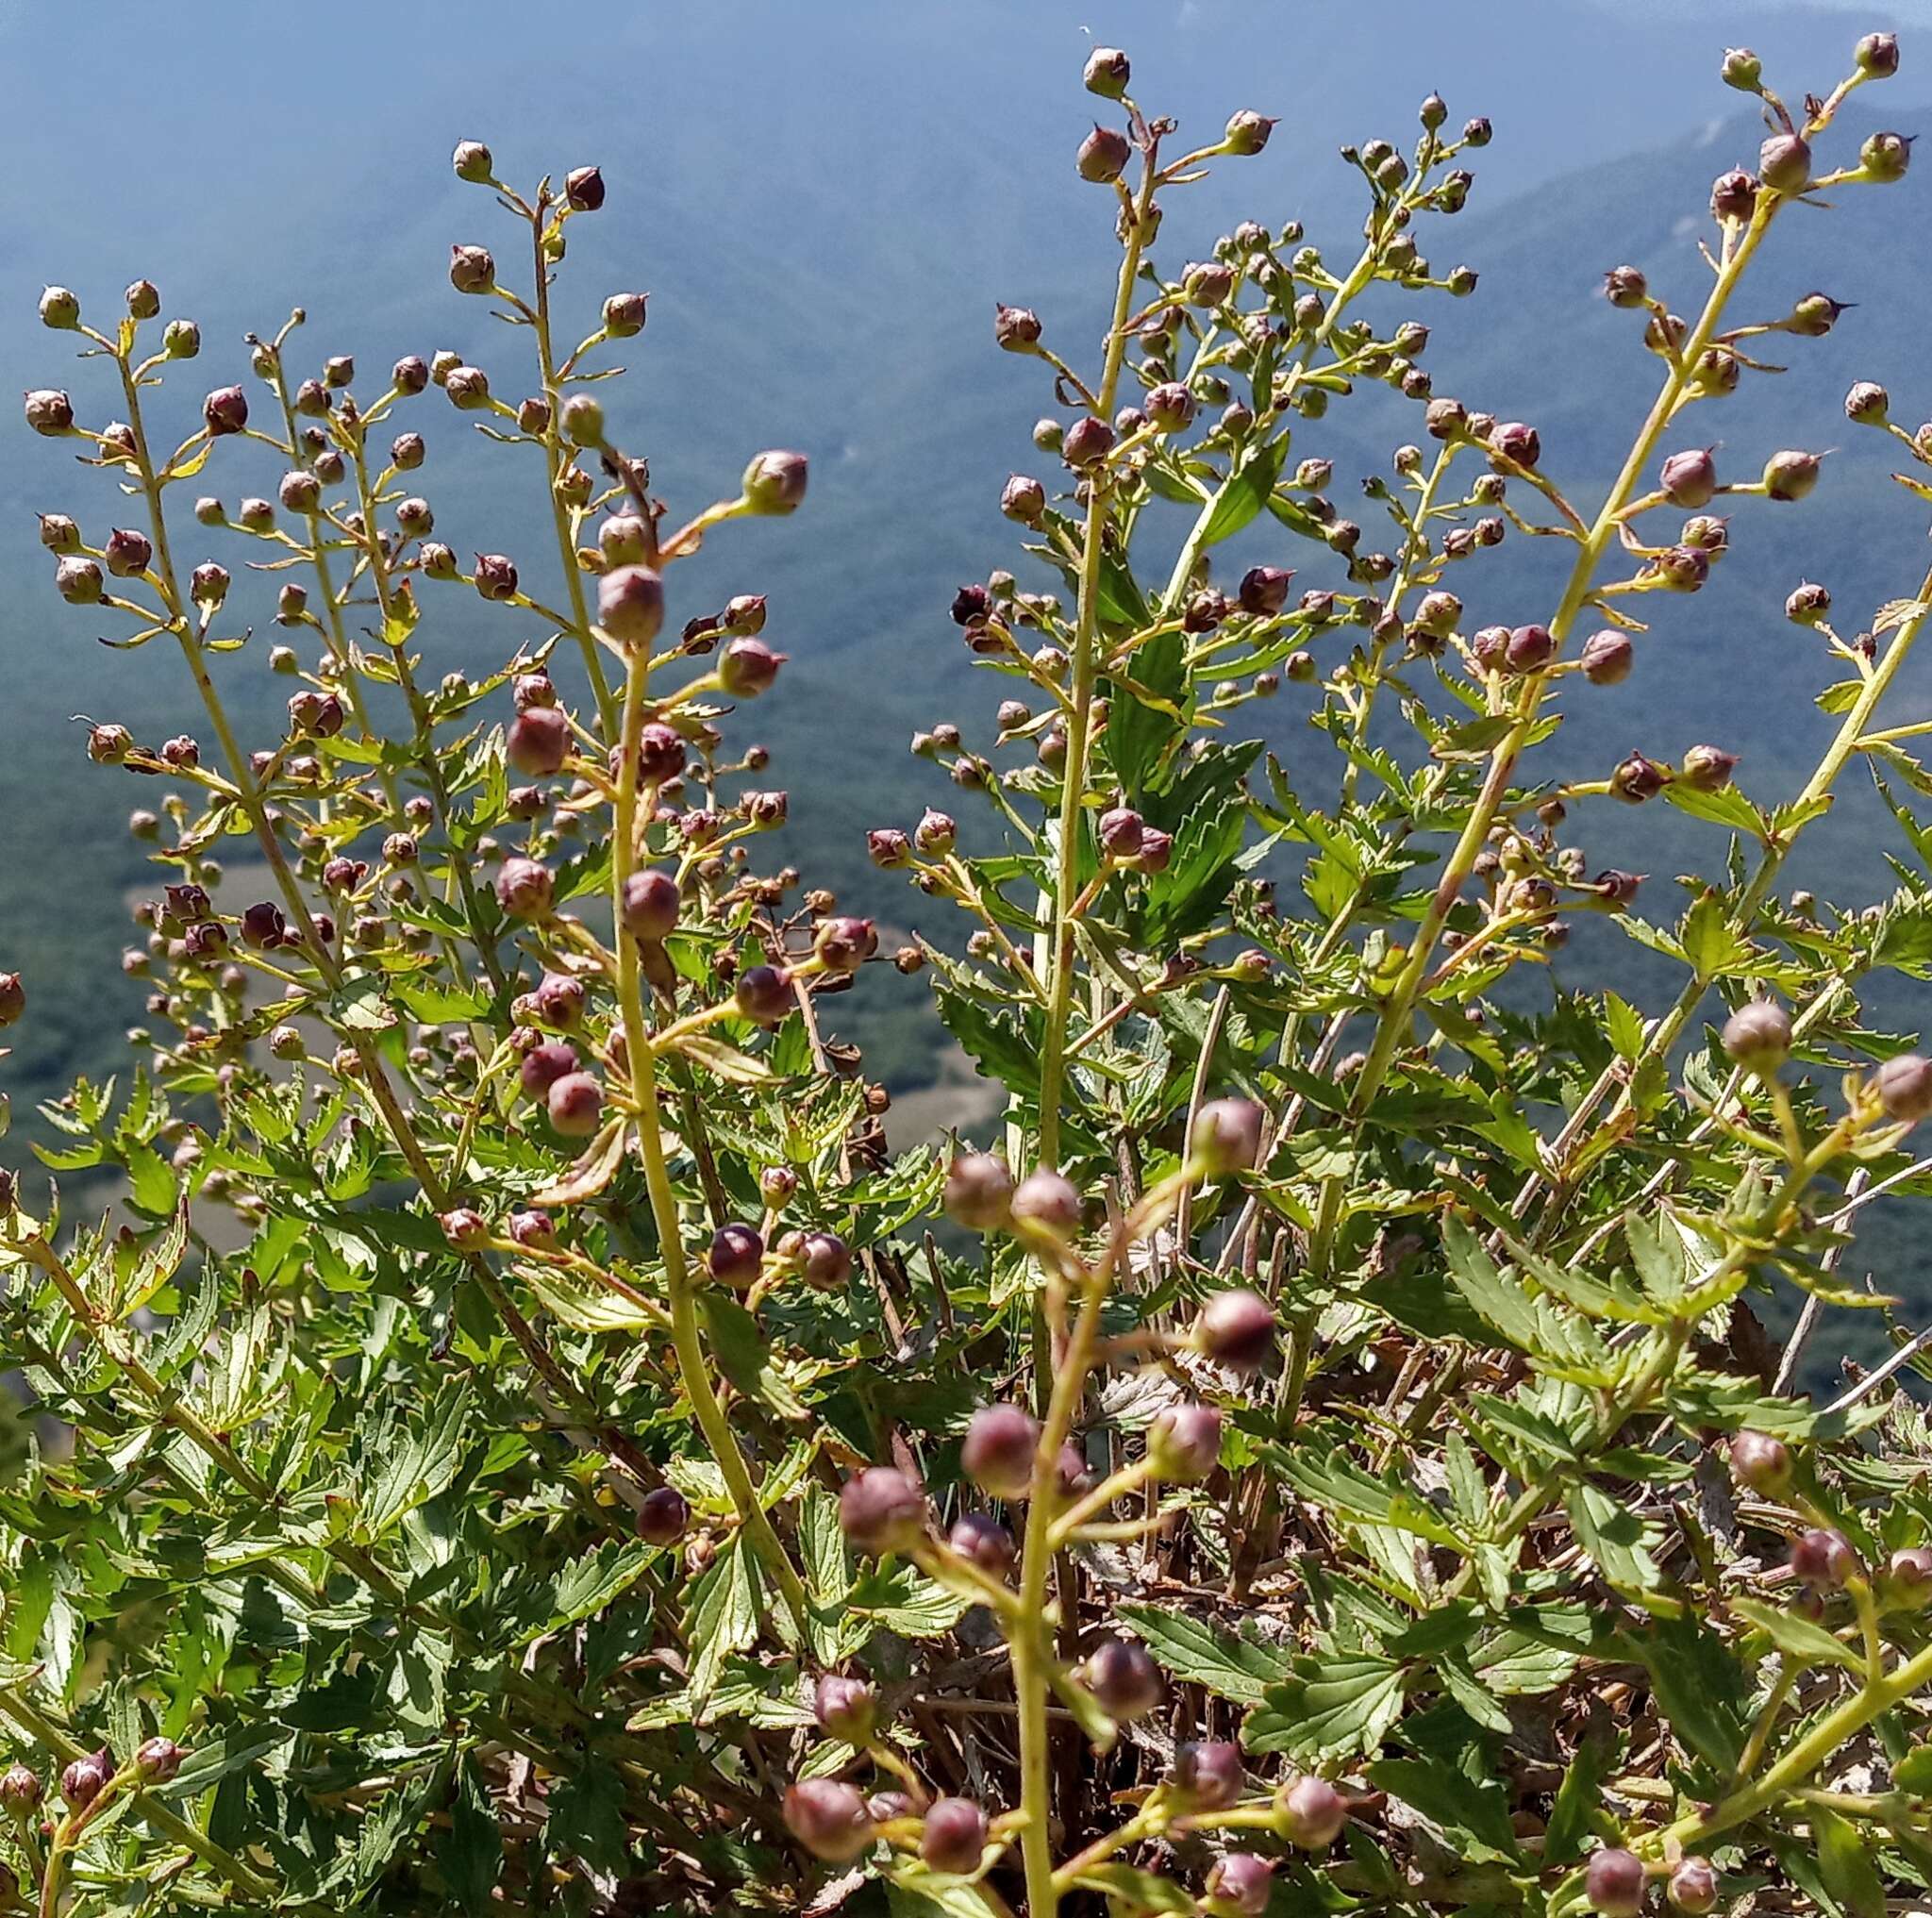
(1759, 1462)
(737, 1256)
(748, 667)
(1264, 590)
(561, 1000)
(1103, 156)
(85, 1778)
(1613, 1883)
(1024, 499)
(1106, 72)
(1690, 478)
(1247, 133)
(1823, 1558)
(1226, 1136)
(225, 410)
(825, 1260)
(525, 889)
(1119, 830)
(998, 1452)
(1156, 849)
(774, 482)
(630, 605)
(1123, 1680)
(1210, 1775)
(1170, 407)
(1517, 444)
(1310, 1812)
(662, 1516)
(1015, 329)
(575, 1105)
(953, 1838)
(1245, 1881)
(1637, 779)
(934, 833)
(1904, 1086)
(538, 741)
(842, 945)
(888, 848)
(829, 1819)
(1087, 443)
(583, 189)
(1235, 1328)
(846, 1708)
(20, 1789)
(1206, 283)
(979, 1192)
(49, 410)
(1707, 769)
(1048, 1203)
(882, 1510)
(12, 999)
(472, 270)
(1692, 1887)
(1624, 286)
(650, 904)
(1784, 163)
(1791, 474)
(1528, 649)
(764, 995)
(59, 533)
(1184, 1443)
(534, 1231)
(127, 552)
(984, 1543)
(624, 314)
(1867, 404)
(467, 1231)
(496, 576)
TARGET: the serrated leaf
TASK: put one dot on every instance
(1199, 1652)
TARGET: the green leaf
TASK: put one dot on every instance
(1199, 1652)
(1846, 1863)
(1701, 1687)
(1244, 491)
(414, 1471)
(1136, 1892)
(1615, 1536)
(1913, 1773)
(587, 1819)
(1476, 1814)
(1578, 1796)
(1333, 1708)
(724, 1616)
(1798, 1637)
(748, 1357)
(472, 1854)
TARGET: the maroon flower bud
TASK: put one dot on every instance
(1876, 56)
(774, 482)
(764, 995)
(748, 667)
(538, 741)
(496, 576)
(1087, 443)
(472, 270)
(1637, 779)
(534, 1231)
(1758, 1037)
(1808, 605)
(1247, 133)
(525, 889)
(1613, 1883)
(59, 533)
(1226, 1136)
(934, 834)
(1206, 283)
(1310, 1814)
(127, 552)
(1264, 590)
(650, 904)
(108, 745)
(737, 1256)
(984, 1543)
(662, 1516)
(79, 581)
(405, 451)
(468, 388)
(1024, 499)
(414, 519)
(888, 847)
(561, 1000)
(1784, 163)
(630, 605)
(979, 1192)
(953, 1838)
(1490, 646)
(825, 1260)
(624, 314)
(1123, 1680)
(409, 376)
(1692, 1887)
(85, 1778)
(207, 938)
(1106, 72)
(842, 945)
(1015, 329)
(583, 189)
(1791, 474)
(263, 925)
(1733, 195)
(1528, 649)
(20, 1789)
(1245, 1881)
(1690, 478)
(225, 410)
(1885, 157)
(1235, 1328)
(845, 1707)
(998, 1452)
(1156, 849)
(575, 1103)
(660, 755)
(1103, 156)
(1867, 404)
(1707, 769)
(1624, 286)
(1904, 1086)
(882, 1510)
(1824, 1559)
(1516, 444)
(1170, 407)
(1208, 1775)
(829, 1819)
(1759, 1462)
(1184, 1443)
(467, 1231)
(1119, 829)
(1046, 1202)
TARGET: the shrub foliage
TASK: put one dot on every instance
(517, 1439)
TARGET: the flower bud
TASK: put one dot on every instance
(1087, 443)
(1808, 605)
(583, 189)
(1791, 474)
(20, 1789)
(525, 889)
(624, 314)
(1103, 156)
(472, 270)
(85, 1778)
(842, 945)
(662, 1516)
(538, 741)
(1529, 649)
(1024, 499)
(1759, 1462)
(1264, 590)
(737, 1256)
(774, 482)
(630, 605)
(1613, 1883)
(1823, 1558)
(953, 1838)
(1106, 72)
(1607, 658)
(1119, 830)
(1015, 329)
(1692, 1887)
(829, 1819)
(1046, 1202)
(1123, 1680)
(534, 1231)
(1184, 1443)
(1690, 478)
(1624, 286)
(467, 1231)
(998, 1451)
(575, 1105)
(748, 667)
(983, 1541)
(1733, 197)
(845, 1707)
(1235, 1328)
(764, 995)
(1784, 163)
(882, 1510)
(1885, 157)
(650, 904)
(1908, 1575)
(1867, 404)
(1245, 1881)
(225, 410)
(1904, 1086)
(1637, 779)
(1758, 1036)
(1742, 69)
(979, 1192)
(127, 552)
(1226, 1136)
(1208, 1775)
(825, 1260)
(49, 412)
(468, 388)
(61, 309)
(1517, 444)
(1707, 769)
(1247, 133)
(79, 581)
